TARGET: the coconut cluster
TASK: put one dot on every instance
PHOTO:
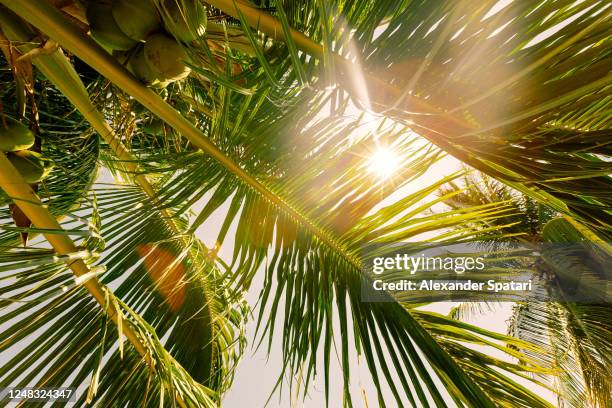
(146, 35)
(15, 140)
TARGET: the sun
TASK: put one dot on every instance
(384, 162)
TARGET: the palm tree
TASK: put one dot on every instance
(573, 334)
(506, 90)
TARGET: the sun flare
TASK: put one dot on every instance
(384, 162)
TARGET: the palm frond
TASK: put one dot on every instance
(147, 271)
(476, 71)
(296, 184)
(216, 373)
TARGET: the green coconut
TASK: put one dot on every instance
(105, 30)
(184, 19)
(32, 166)
(165, 57)
(121, 56)
(139, 67)
(14, 135)
(136, 18)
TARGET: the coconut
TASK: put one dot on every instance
(122, 56)
(165, 57)
(139, 67)
(184, 19)
(14, 135)
(31, 165)
(136, 18)
(105, 30)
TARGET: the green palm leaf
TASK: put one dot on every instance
(295, 183)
